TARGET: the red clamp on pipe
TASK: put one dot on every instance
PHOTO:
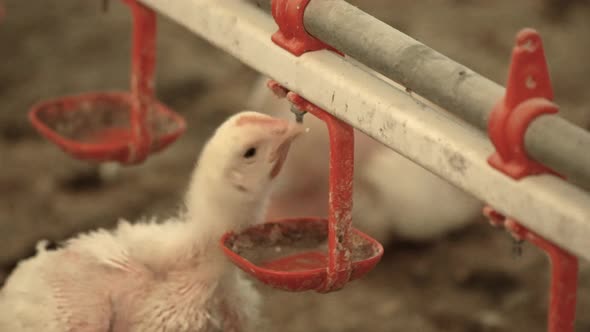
(322, 254)
(292, 35)
(528, 95)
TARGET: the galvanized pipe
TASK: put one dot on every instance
(439, 142)
(550, 139)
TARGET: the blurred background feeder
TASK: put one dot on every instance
(311, 253)
(115, 126)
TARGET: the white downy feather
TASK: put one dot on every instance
(160, 276)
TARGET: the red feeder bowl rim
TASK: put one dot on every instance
(305, 278)
(120, 150)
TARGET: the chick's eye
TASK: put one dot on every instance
(251, 152)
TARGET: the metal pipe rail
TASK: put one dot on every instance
(550, 139)
(439, 142)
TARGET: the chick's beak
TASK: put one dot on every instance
(282, 149)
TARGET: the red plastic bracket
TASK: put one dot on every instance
(340, 211)
(529, 95)
(142, 78)
(292, 35)
(564, 272)
(341, 175)
(277, 89)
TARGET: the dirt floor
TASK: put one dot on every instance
(466, 282)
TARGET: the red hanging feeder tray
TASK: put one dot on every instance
(292, 254)
(311, 253)
(115, 126)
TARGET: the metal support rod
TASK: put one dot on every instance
(553, 208)
(550, 139)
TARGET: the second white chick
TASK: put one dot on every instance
(169, 276)
(393, 196)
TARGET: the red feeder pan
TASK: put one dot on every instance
(116, 126)
(311, 253)
(96, 126)
(292, 254)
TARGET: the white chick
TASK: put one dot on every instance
(170, 276)
(392, 195)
